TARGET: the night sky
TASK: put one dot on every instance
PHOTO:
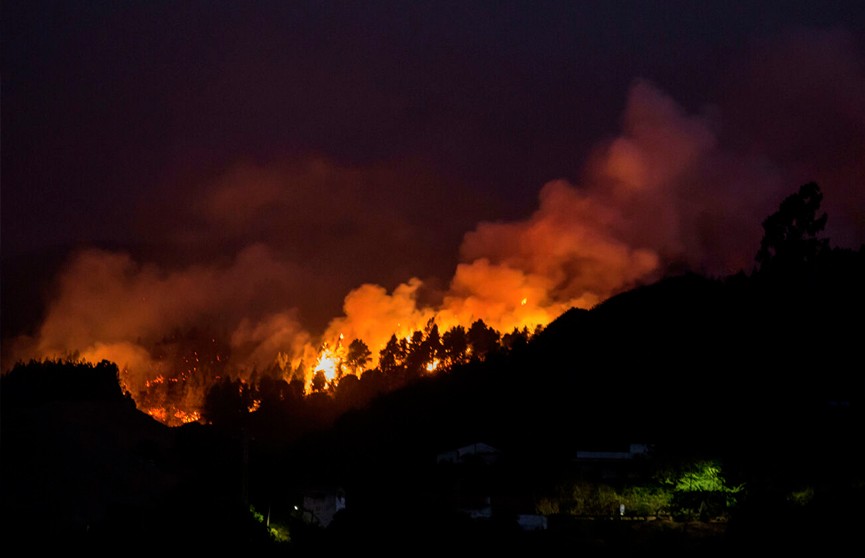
(267, 167)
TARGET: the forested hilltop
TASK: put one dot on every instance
(754, 379)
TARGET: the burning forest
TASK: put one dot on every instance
(186, 367)
(245, 287)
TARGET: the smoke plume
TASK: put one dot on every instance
(674, 190)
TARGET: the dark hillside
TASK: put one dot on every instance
(83, 469)
(734, 369)
(760, 373)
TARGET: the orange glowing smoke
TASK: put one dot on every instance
(636, 211)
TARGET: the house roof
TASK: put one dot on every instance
(479, 449)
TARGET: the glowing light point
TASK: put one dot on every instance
(523, 301)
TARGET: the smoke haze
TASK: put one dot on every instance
(445, 212)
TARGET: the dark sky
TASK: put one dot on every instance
(252, 163)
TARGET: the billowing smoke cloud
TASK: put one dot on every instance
(675, 190)
(660, 197)
(672, 188)
(670, 193)
(337, 223)
(108, 306)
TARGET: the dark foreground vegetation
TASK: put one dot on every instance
(746, 392)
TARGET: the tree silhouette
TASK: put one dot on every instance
(516, 340)
(482, 339)
(454, 345)
(432, 345)
(319, 381)
(391, 356)
(348, 392)
(358, 356)
(37, 382)
(790, 241)
(274, 391)
(417, 356)
(227, 403)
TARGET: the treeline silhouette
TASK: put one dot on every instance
(195, 377)
(232, 400)
(760, 371)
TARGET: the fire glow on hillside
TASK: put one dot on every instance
(109, 307)
(176, 330)
(176, 399)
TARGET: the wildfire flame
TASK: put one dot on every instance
(581, 245)
(328, 363)
(170, 379)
